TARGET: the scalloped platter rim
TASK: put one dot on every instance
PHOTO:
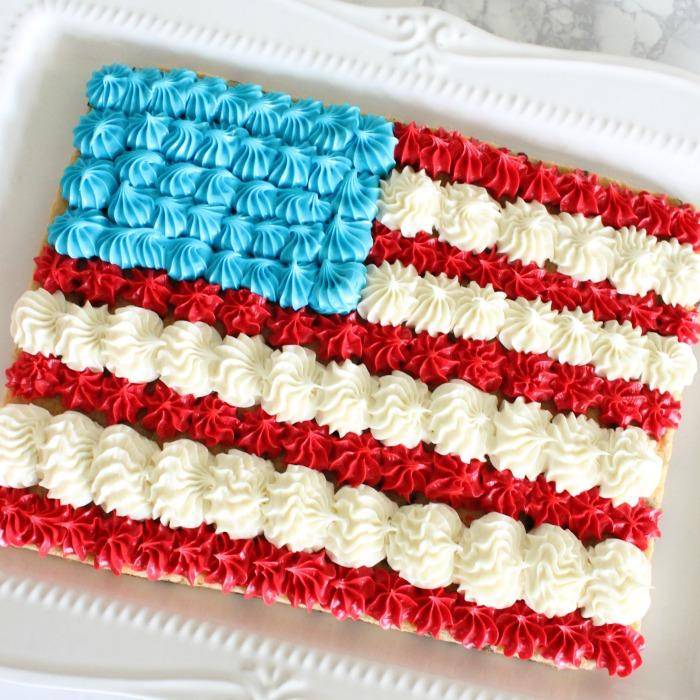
(69, 628)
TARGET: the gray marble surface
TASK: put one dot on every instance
(660, 30)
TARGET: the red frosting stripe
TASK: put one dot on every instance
(306, 580)
(428, 254)
(509, 175)
(485, 364)
(353, 459)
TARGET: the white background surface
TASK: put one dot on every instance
(661, 30)
(67, 626)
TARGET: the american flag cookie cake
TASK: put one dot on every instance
(310, 355)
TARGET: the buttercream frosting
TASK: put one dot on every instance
(66, 455)
(347, 389)
(389, 295)
(293, 385)
(410, 201)
(422, 544)
(395, 294)
(493, 561)
(188, 356)
(181, 480)
(132, 341)
(489, 562)
(619, 583)
(357, 534)
(120, 472)
(461, 420)
(555, 572)
(580, 244)
(575, 452)
(242, 367)
(584, 249)
(526, 232)
(299, 509)
(34, 320)
(398, 409)
(521, 439)
(238, 492)
(22, 429)
(468, 218)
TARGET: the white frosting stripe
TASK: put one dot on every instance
(395, 294)
(582, 247)
(572, 451)
(182, 484)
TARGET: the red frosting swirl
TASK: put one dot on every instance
(353, 459)
(196, 301)
(507, 175)
(306, 580)
(103, 285)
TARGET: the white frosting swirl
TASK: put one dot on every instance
(410, 201)
(637, 266)
(293, 388)
(632, 467)
(436, 298)
(526, 232)
(461, 420)
(388, 297)
(489, 561)
(680, 281)
(670, 365)
(238, 493)
(575, 452)
(131, 344)
(242, 369)
(619, 351)
(34, 318)
(479, 312)
(66, 455)
(528, 326)
(358, 532)
(22, 429)
(619, 584)
(181, 482)
(573, 336)
(399, 410)
(521, 439)
(80, 332)
(120, 472)
(468, 217)
(422, 544)
(345, 398)
(583, 247)
(555, 570)
(188, 357)
(299, 509)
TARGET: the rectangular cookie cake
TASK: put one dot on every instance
(386, 371)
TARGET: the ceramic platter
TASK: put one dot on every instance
(70, 631)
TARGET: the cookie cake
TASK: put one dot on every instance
(314, 356)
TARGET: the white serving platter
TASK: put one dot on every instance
(69, 631)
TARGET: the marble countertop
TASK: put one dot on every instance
(661, 30)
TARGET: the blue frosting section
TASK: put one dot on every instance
(242, 187)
